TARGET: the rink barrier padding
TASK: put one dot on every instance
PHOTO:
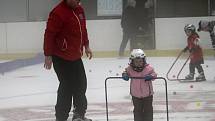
(23, 60)
(110, 54)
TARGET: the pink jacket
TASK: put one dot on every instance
(139, 87)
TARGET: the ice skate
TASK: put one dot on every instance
(189, 76)
(59, 120)
(201, 77)
(77, 117)
(81, 119)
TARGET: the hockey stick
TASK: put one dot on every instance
(106, 98)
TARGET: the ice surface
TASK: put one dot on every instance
(29, 93)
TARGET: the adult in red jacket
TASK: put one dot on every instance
(196, 53)
(64, 40)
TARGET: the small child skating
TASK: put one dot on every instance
(196, 54)
(141, 90)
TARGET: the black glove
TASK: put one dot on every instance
(192, 50)
(125, 76)
(185, 49)
(148, 77)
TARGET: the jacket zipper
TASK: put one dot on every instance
(64, 46)
(80, 30)
(149, 88)
(141, 88)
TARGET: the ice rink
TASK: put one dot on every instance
(28, 93)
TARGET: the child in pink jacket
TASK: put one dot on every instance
(141, 89)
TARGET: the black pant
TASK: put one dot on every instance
(213, 44)
(196, 65)
(143, 109)
(126, 37)
(72, 86)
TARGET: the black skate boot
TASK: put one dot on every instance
(60, 120)
(201, 77)
(189, 76)
(77, 117)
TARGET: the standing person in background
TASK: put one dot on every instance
(64, 40)
(143, 17)
(196, 54)
(208, 26)
(128, 24)
(144, 20)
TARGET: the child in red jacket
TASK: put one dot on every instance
(195, 50)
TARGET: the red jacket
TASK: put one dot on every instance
(195, 49)
(66, 32)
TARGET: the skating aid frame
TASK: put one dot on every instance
(177, 77)
(106, 98)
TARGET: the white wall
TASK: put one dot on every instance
(21, 37)
(169, 32)
(3, 38)
(104, 35)
(27, 37)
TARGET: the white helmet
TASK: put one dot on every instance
(137, 53)
(190, 27)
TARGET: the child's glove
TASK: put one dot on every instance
(192, 50)
(125, 76)
(185, 49)
(148, 77)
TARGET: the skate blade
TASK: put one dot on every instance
(82, 119)
(201, 80)
(187, 81)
